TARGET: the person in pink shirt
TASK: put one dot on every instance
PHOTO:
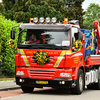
(33, 41)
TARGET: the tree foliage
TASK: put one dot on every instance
(1, 38)
(74, 10)
(22, 10)
(92, 14)
(7, 54)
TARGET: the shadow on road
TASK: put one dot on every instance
(58, 91)
(53, 91)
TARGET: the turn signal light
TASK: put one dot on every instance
(65, 20)
(31, 20)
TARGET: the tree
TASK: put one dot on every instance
(74, 10)
(22, 10)
(92, 14)
(1, 38)
(1, 7)
(8, 5)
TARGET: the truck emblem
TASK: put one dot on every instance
(41, 57)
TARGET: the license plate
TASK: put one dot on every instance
(42, 82)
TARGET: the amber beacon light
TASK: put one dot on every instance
(65, 20)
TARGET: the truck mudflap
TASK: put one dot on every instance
(57, 82)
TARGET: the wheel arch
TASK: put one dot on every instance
(76, 71)
(78, 89)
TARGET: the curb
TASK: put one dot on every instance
(12, 88)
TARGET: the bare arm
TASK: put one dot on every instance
(27, 42)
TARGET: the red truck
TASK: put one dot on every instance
(64, 56)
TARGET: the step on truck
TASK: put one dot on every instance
(58, 55)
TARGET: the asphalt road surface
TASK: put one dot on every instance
(49, 94)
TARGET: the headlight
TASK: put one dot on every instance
(65, 74)
(20, 73)
(41, 20)
(35, 20)
(47, 20)
(54, 19)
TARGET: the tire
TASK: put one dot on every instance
(79, 83)
(97, 85)
(27, 89)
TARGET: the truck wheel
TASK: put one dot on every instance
(27, 89)
(97, 85)
(79, 83)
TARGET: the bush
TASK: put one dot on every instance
(7, 54)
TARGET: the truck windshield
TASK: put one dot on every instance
(43, 39)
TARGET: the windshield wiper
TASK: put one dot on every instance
(51, 46)
(27, 46)
(48, 46)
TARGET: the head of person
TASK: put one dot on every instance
(33, 36)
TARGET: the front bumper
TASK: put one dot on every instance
(51, 83)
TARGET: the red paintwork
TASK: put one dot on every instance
(69, 63)
(95, 60)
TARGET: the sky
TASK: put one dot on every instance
(86, 3)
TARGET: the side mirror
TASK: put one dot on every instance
(12, 34)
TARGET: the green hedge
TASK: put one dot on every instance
(7, 54)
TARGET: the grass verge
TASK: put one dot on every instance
(7, 79)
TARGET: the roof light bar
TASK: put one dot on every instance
(41, 20)
(35, 20)
(54, 19)
(47, 19)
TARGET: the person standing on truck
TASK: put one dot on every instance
(34, 40)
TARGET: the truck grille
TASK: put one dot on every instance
(41, 73)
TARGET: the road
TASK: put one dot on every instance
(49, 94)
